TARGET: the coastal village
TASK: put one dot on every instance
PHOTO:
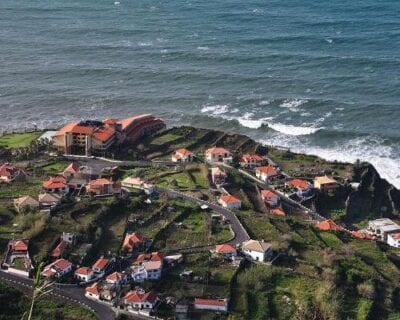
(181, 223)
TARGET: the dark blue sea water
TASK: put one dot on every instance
(322, 75)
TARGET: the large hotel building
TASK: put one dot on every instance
(88, 137)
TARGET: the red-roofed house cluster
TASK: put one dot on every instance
(17, 251)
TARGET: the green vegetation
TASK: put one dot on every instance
(55, 167)
(17, 304)
(192, 177)
(18, 140)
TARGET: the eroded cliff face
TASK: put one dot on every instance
(375, 196)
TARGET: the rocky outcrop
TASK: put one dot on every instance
(375, 197)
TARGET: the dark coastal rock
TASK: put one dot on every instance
(375, 197)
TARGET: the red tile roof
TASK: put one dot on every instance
(100, 263)
(271, 171)
(224, 248)
(137, 296)
(67, 128)
(251, 157)
(131, 240)
(128, 121)
(115, 277)
(104, 134)
(327, 225)
(9, 170)
(210, 302)
(72, 168)
(84, 271)
(110, 121)
(55, 183)
(100, 182)
(229, 199)
(93, 289)
(20, 245)
(298, 183)
(268, 194)
(154, 256)
(360, 235)
(216, 150)
(58, 251)
(278, 212)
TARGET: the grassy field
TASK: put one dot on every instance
(55, 167)
(18, 140)
(31, 187)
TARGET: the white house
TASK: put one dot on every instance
(58, 268)
(218, 155)
(257, 250)
(117, 278)
(271, 198)
(218, 305)
(137, 183)
(266, 173)
(182, 155)
(383, 227)
(393, 239)
(230, 202)
(93, 291)
(84, 274)
(139, 299)
(100, 266)
(218, 176)
(251, 161)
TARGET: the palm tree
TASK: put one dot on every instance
(40, 288)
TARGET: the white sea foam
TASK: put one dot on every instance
(292, 104)
(145, 44)
(369, 149)
(215, 109)
(329, 40)
(293, 130)
(117, 3)
(205, 48)
(264, 102)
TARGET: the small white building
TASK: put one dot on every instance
(382, 227)
(217, 305)
(325, 183)
(230, 202)
(100, 266)
(218, 155)
(153, 269)
(84, 274)
(218, 176)
(93, 291)
(139, 299)
(266, 173)
(251, 161)
(182, 155)
(393, 239)
(137, 183)
(117, 278)
(257, 250)
(226, 250)
(271, 198)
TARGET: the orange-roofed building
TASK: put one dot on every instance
(59, 249)
(117, 278)
(266, 173)
(230, 202)
(93, 291)
(9, 173)
(361, 235)
(226, 250)
(325, 183)
(140, 299)
(56, 185)
(278, 212)
(270, 198)
(153, 256)
(141, 125)
(103, 186)
(251, 160)
(217, 305)
(182, 155)
(132, 241)
(84, 274)
(72, 170)
(328, 225)
(218, 155)
(101, 265)
(299, 184)
(58, 268)
(20, 246)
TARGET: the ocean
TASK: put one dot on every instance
(320, 77)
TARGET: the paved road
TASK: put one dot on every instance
(240, 232)
(73, 295)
